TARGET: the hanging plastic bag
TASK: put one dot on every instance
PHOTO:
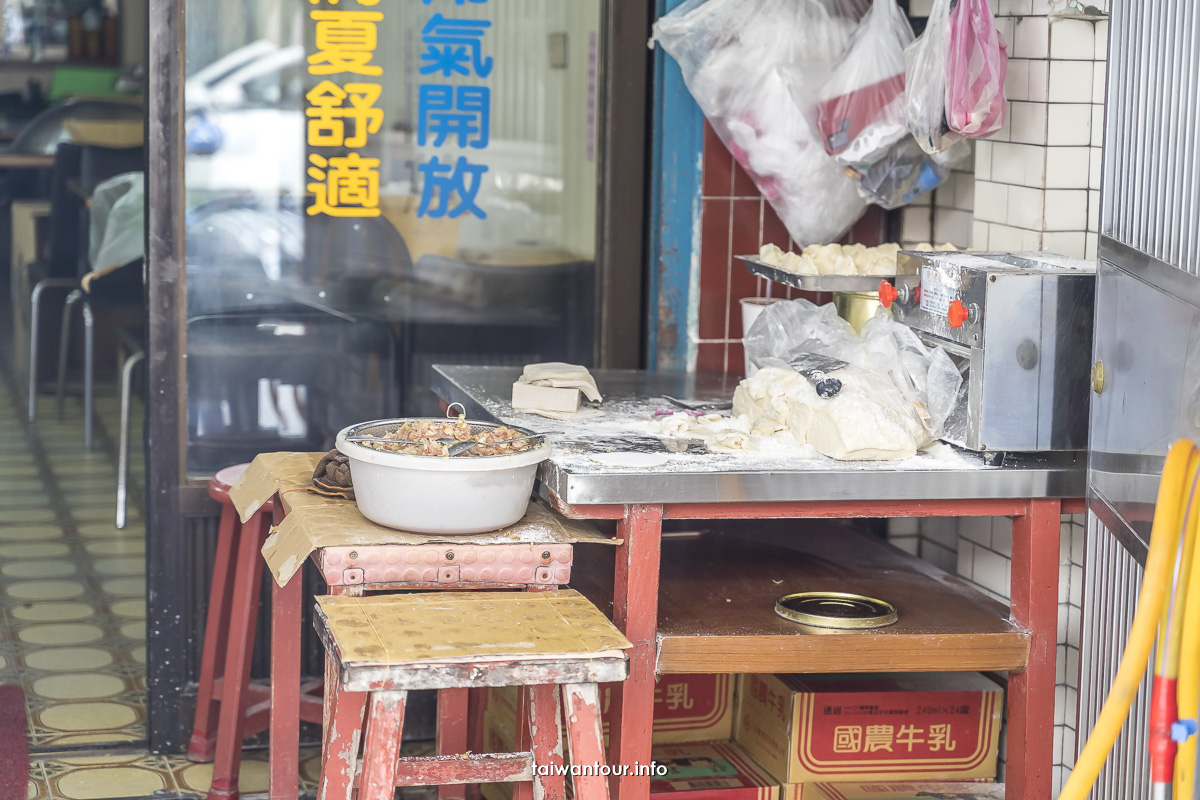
(925, 98)
(731, 53)
(975, 70)
(904, 172)
(861, 108)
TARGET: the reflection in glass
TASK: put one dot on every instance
(58, 30)
(373, 188)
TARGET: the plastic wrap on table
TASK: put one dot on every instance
(904, 171)
(732, 54)
(925, 100)
(975, 71)
(861, 106)
(901, 371)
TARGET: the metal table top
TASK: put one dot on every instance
(697, 476)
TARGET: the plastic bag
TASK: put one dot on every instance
(925, 100)
(117, 227)
(977, 65)
(904, 171)
(861, 108)
(731, 53)
(919, 383)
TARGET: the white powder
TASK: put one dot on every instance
(628, 425)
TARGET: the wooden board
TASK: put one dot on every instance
(718, 592)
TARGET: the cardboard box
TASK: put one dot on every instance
(694, 771)
(842, 728)
(687, 708)
(891, 790)
(710, 771)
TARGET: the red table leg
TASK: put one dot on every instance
(286, 604)
(635, 612)
(1034, 590)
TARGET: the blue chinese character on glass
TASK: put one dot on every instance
(444, 180)
(453, 47)
(463, 112)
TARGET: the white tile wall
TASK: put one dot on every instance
(1028, 122)
(983, 160)
(1066, 210)
(1027, 208)
(1069, 124)
(1031, 37)
(1071, 81)
(1067, 243)
(991, 201)
(1072, 39)
(1068, 167)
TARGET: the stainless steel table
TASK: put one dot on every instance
(695, 484)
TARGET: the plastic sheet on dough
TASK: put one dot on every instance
(313, 521)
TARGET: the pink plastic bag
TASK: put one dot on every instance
(976, 63)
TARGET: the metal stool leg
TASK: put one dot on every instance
(123, 446)
(64, 346)
(35, 330)
(89, 372)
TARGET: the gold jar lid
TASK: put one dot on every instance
(836, 610)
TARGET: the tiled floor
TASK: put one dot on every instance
(72, 614)
(72, 587)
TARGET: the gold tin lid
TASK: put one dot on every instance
(836, 610)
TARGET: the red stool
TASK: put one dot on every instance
(229, 708)
(380, 648)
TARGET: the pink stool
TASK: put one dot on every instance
(355, 571)
(228, 707)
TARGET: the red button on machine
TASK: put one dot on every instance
(887, 294)
(957, 314)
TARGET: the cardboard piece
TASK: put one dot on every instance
(893, 790)
(834, 728)
(313, 521)
(446, 627)
(687, 708)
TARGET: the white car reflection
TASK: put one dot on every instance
(245, 123)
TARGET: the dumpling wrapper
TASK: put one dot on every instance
(631, 460)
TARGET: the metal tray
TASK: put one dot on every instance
(815, 283)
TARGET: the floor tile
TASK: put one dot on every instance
(55, 659)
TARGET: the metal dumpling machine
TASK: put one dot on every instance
(1019, 326)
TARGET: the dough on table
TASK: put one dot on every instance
(631, 460)
(854, 425)
(728, 441)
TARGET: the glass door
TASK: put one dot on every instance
(350, 191)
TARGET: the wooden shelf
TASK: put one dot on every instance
(717, 606)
